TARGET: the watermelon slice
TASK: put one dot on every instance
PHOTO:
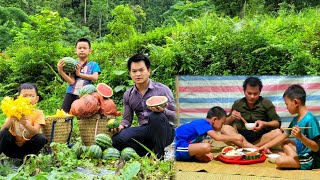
(104, 90)
(154, 101)
(228, 148)
(252, 155)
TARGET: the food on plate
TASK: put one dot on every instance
(246, 150)
(228, 148)
(232, 154)
(252, 155)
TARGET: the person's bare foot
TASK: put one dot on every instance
(205, 158)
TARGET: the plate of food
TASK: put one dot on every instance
(230, 152)
(242, 156)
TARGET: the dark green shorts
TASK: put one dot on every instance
(306, 161)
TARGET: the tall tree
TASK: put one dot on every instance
(99, 9)
(122, 25)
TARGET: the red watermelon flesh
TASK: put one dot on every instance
(157, 101)
(227, 149)
(104, 90)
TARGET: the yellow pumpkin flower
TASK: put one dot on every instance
(16, 107)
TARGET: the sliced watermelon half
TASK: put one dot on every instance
(157, 101)
(227, 149)
(104, 90)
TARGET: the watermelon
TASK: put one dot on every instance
(87, 89)
(111, 154)
(70, 64)
(95, 151)
(252, 155)
(104, 90)
(228, 148)
(129, 153)
(84, 149)
(77, 148)
(113, 123)
(154, 101)
(103, 140)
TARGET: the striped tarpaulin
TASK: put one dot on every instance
(196, 94)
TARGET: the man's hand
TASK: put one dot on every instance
(116, 130)
(259, 125)
(296, 132)
(235, 115)
(264, 150)
(60, 65)
(156, 108)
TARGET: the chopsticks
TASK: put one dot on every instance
(299, 128)
(243, 120)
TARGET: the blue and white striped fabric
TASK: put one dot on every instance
(197, 94)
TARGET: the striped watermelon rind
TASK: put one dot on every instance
(95, 151)
(70, 64)
(154, 101)
(77, 148)
(111, 154)
(252, 155)
(128, 153)
(87, 89)
(103, 140)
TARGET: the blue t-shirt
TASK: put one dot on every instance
(193, 132)
(90, 68)
(309, 120)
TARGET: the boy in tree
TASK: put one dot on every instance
(304, 152)
(86, 72)
(20, 138)
(189, 137)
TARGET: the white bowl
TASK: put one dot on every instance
(233, 157)
(250, 126)
(273, 157)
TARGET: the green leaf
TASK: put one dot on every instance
(119, 88)
(131, 170)
(119, 72)
(152, 153)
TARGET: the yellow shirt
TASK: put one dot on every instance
(20, 132)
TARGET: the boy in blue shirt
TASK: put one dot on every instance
(303, 153)
(86, 72)
(189, 137)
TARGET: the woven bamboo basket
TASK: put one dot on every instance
(62, 128)
(91, 126)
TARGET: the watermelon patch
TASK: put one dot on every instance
(154, 101)
(104, 90)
